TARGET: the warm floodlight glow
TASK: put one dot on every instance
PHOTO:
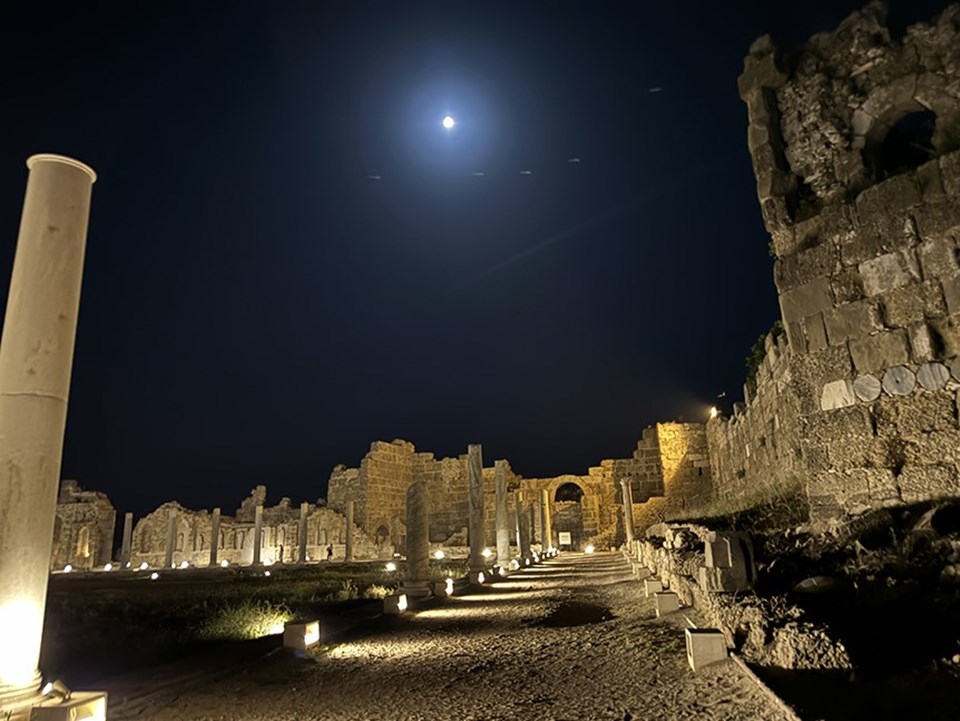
(714, 412)
(480, 577)
(108, 567)
(267, 574)
(154, 576)
(449, 586)
(439, 555)
(514, 565)
(267, 562)
(21, 624)
(402, 602)
(143, 566)
(487, 553)
(67, 568)
(391, 567)
(448, 122)
(184, 564)
(590, 548)
(224, 563)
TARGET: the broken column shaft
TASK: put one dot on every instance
(503, 515)
(475, 476)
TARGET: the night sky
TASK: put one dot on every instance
(257, 309)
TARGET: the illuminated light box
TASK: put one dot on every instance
(301, 635)
(77, 706)
(652, 586)
(395, 604)
(442, 589)
(666, 602)
(478, 577)
(705, 646)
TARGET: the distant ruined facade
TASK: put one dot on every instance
(855, 142)
(82, 529)
(191, 533)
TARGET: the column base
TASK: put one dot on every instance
(416, 589)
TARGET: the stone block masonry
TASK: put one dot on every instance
(856, 148)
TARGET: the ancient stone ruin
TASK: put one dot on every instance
(855, 141)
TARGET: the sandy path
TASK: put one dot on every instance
(494, 655)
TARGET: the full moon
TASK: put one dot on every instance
(448, 122)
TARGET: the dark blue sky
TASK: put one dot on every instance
(256, 309)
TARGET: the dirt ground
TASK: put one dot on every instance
(570, 639)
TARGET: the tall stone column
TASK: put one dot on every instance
(524, 527)
(547, 521)
(215, 537)
(127, 539)
(36, 355)
(476, 527)
(627, 494)
(503, 515)
(517, 504)
(257, 535)
(171, 539)
(302, 550)
(348, 536)
(417, 579)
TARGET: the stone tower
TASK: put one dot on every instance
(855, 141)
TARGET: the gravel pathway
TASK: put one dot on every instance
(510, 651)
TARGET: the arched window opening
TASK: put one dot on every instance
(568, 492)
(83, 543)
(907, 145)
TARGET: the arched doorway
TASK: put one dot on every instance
(568, 516)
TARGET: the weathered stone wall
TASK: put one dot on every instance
(855, 148)
(688, 489)
(83, 528)
(755, 455)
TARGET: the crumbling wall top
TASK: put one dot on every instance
(850, 109)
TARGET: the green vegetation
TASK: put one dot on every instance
(757, 353)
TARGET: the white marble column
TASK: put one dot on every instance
(257, 535)
(127, 539)
(503, 515)
(215, 537)
(36, 355)
(302, 529)
(417, 577)
(476, 527)
(627, 493)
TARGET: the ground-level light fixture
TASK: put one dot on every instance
(224, 563)
(590, 548)
(154, 576)
(184, 564)
(143, 566)
(301, 635)
(514, 564)
(59, 703)
(390, 567)
(108, 567)
(714, 412)
(395, 604)
(439, 555)
(68, 568)
(486, 553)
(267, 574)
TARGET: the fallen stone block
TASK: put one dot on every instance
(705, 646)
(652, 586)
(666, 602)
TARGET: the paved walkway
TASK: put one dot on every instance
(506, 652)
